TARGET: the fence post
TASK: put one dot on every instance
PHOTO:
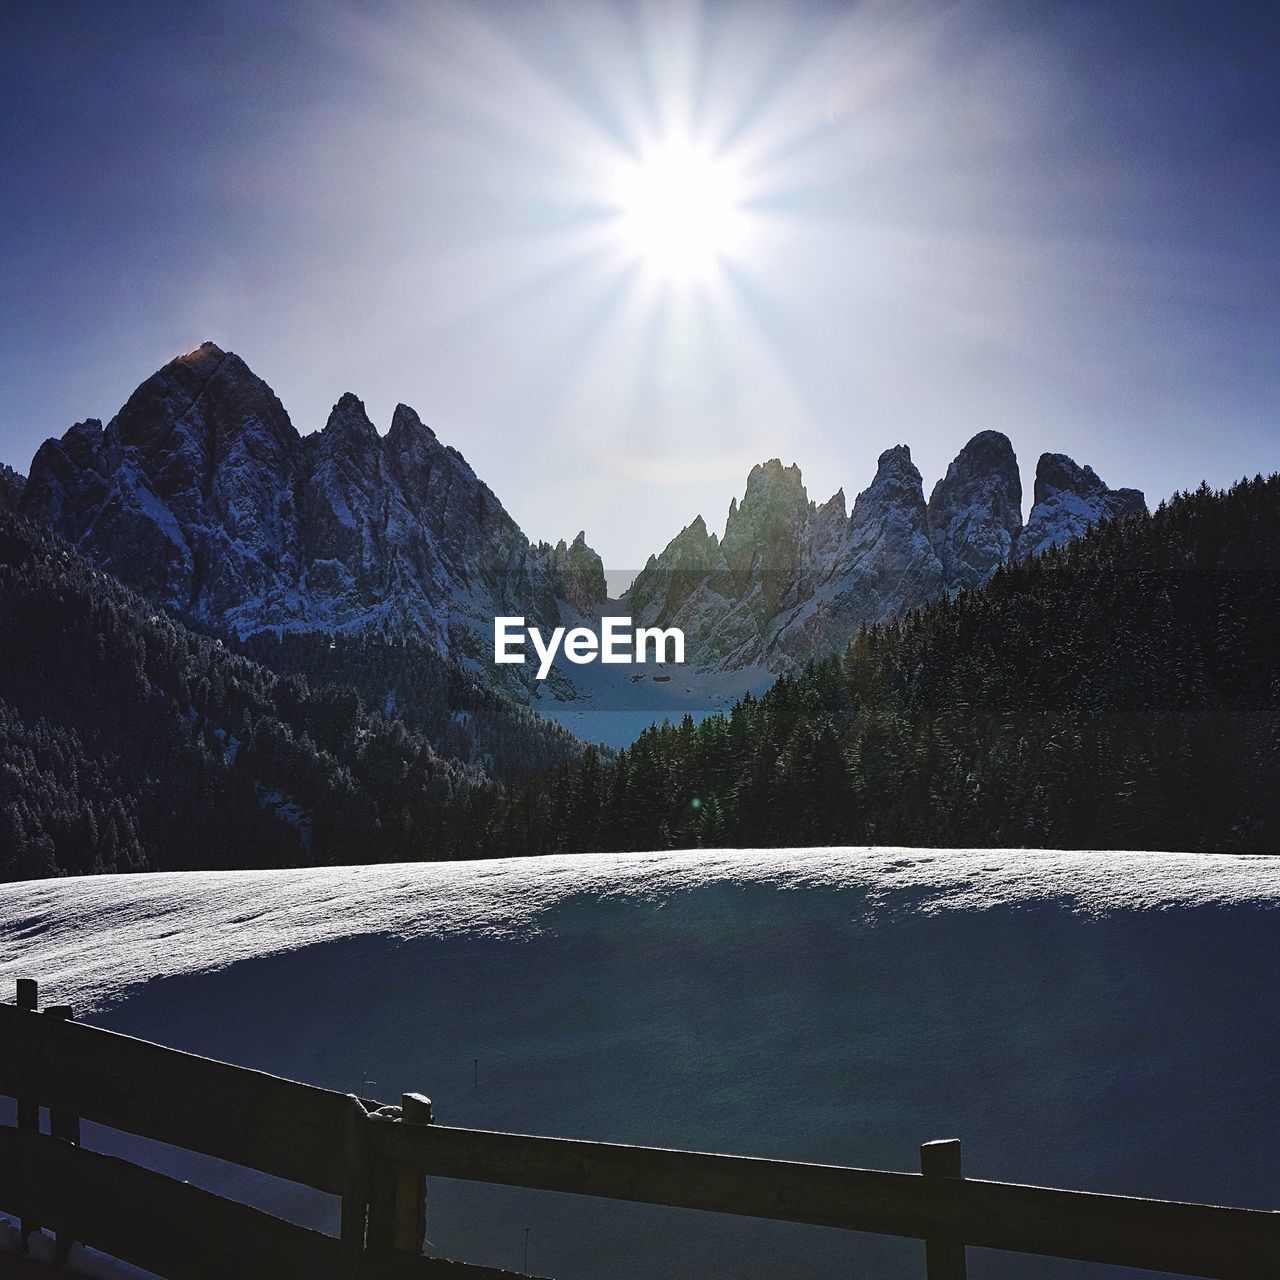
(943, 1259)
(28, 1108)
(355, 1191)
(397, 1197)
(64, 1125)
(411, 1187)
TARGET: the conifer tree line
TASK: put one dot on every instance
(1122, 692)
(405, 678)
(128, 742)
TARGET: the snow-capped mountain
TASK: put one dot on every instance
(791, 580)
(202, 494)
(1068, 498)
(975, 511)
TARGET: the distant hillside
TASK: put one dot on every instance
(1121, 692)
(406, 678)
(128, 742)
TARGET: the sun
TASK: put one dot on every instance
(679, 210)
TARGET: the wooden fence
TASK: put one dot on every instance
(378, 1162)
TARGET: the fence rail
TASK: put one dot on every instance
(293, 1131)
(174, 1229)
(331, 1142)
(1158, 1235)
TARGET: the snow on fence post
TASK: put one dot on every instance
(411, 1187)
(397, 1194)
(943, 1259)
(64, 1125)
(28, 1108)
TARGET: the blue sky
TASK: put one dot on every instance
(1058, 220)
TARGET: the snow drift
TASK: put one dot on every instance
(1094, 1020)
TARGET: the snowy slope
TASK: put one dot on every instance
(1095, 1020)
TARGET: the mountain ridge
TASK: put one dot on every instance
(791, 579)
(202, 494)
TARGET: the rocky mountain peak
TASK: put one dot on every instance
(83, 438)
(767, 528)
(988, 451)
(768, 478)
(896, 485)
(407, 426)
(416, 456)
(836, 502)
(201, 494)
(888, 549)
(207, 350)
(693, 540)
(580, 573)
(694, 547)
(11, 487)
(687, 584)
(828, 527)
(202, 362)
(975, 510)
(773, 493)
(1056, 473)
(65, 476)
(348, 422)
(897, 455)
(1069, 498)
(198, 412)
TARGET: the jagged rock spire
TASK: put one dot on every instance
(1069, 498)
(975, 511)
(201, 493)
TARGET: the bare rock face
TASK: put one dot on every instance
(580, 571)
(975, 511)
(65, 479)
(888, 560)
(188, 493)
(11, 487)
(689, 586)
(202, 494)
(885, 563)
(791, 581)
(765, 537)
(1068, 499)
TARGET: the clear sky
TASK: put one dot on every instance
(616, 254)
